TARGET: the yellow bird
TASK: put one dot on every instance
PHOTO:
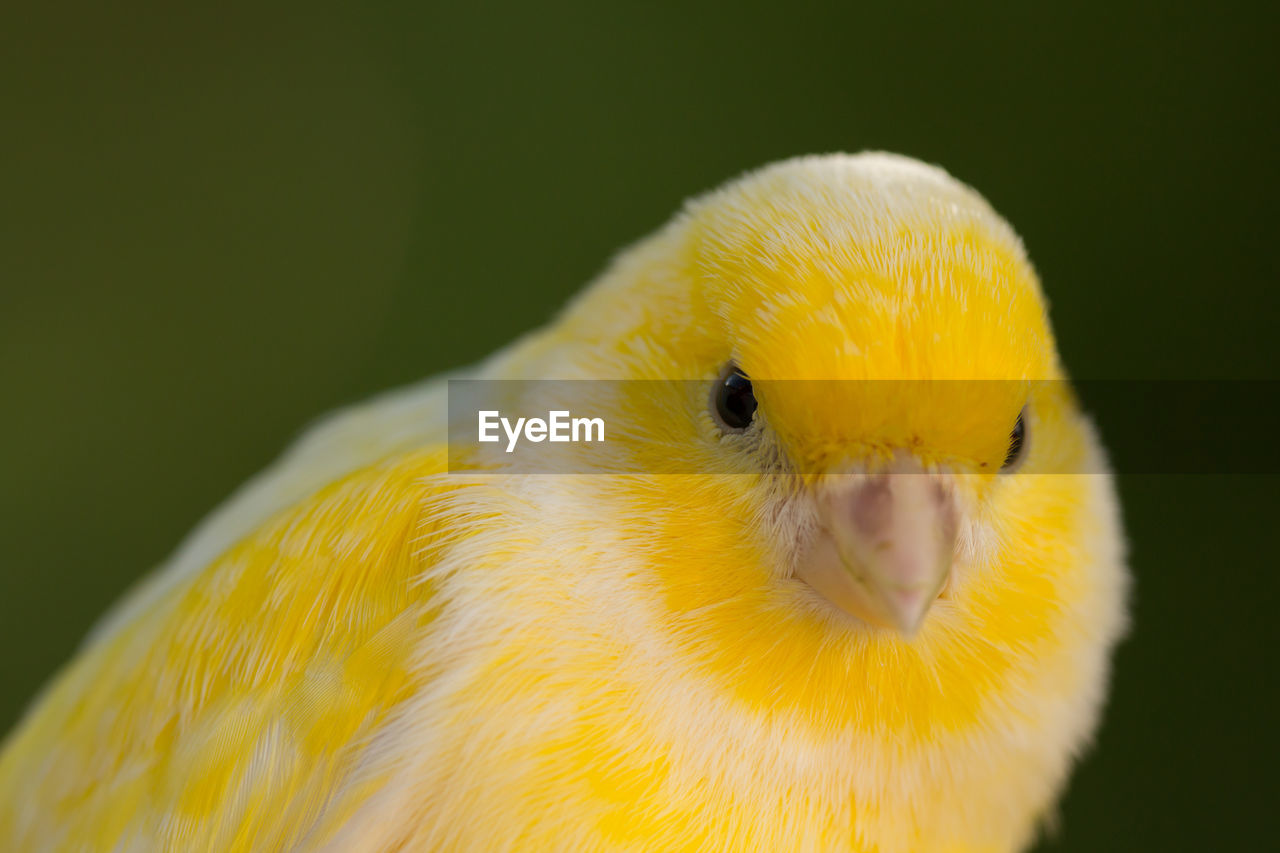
(808, 610)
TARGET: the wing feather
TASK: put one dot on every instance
(225, 713)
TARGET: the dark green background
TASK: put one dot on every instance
(215, 225)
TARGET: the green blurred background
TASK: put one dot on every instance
(218, 224)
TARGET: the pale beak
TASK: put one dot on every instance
(884, 544)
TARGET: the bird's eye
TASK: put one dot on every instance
(1017, 443)
(733, 399)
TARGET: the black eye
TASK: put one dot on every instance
(735, 402)
(1017, 443)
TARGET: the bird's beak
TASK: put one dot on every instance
(884, 543)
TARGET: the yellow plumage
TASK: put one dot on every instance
(362, 651)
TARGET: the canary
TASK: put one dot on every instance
(849, 577)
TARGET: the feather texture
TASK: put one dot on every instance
(364, 652)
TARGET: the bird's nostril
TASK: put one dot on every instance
(873, 506)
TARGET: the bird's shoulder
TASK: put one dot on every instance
(231, 696)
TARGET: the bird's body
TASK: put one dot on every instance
(362, 651)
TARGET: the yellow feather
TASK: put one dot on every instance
(363, 651)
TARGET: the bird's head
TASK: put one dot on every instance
(882, 328)
(862, 340)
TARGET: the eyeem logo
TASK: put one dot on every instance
(672, 426)
(559, 426)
